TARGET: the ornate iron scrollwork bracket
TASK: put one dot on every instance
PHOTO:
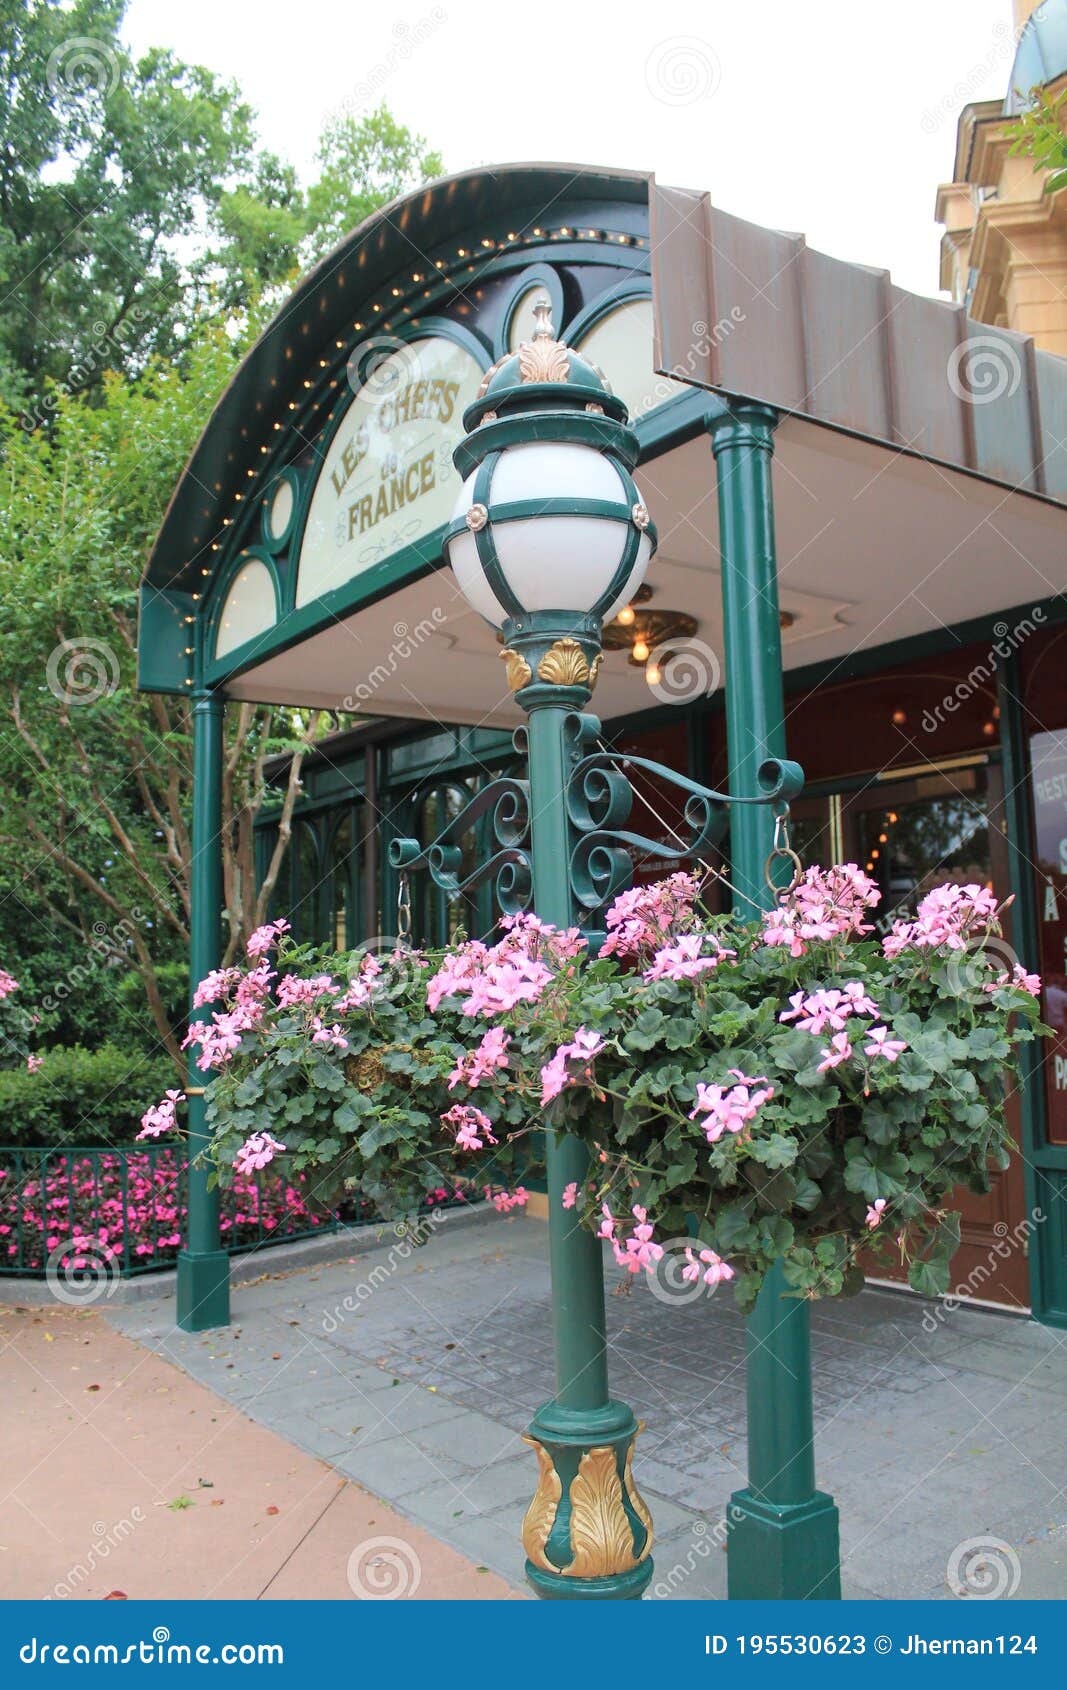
(508, 802)
(600, 798)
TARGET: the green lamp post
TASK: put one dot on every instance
(550, 537)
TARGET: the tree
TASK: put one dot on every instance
(143, 239)
(97, 776)
(107, 168)
(365, 162)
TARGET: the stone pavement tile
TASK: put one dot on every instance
(396, 1466)
(506, 1484)
(689, 1565)
(491, 1540)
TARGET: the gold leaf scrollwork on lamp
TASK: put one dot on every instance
(541, 1514)
(602, 1535)
(544, 358)
(518, 670)
(564, 664)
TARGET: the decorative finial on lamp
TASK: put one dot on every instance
(542, 310)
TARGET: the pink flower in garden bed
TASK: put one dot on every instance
(134, 1202)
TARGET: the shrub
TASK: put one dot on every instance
(79, 1096)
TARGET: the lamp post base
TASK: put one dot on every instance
(587, 1533)
(203, 1290)
(783, 1551)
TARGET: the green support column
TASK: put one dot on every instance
(204, 1268)
(783, 1533)
(582, 1434)
(1026, 939)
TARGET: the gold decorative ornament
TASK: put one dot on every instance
(639, 516)
(594, 669)
(519, 672)
(637, 1501)
(541, 1514)
(489, 374)
(564, 664)
(544, 358)
(600, 1529)
(477, 517)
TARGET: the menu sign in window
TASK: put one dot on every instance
(1048, 755)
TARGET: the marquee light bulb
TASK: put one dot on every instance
(626, 615)
(653, 674)
(640, 650)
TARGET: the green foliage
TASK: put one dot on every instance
(364, 163)
(107, 165)
(365, 1118)
(1041, 134)
(80, 1097)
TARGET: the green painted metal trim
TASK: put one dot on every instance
(203, 1266)
(276, 544)
(211, 614)
(163, 663)
(1025, 928)
(523, 428)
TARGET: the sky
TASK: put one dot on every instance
(833, 119)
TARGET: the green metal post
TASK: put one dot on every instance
(204, 1268)
(1025, 934)
(582, 1434)
(783, 1533)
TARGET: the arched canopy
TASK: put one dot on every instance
(299, 561)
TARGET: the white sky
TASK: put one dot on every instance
(832, 118)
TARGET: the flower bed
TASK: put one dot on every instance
(128, 1207)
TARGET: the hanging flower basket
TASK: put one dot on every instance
(791, 1090)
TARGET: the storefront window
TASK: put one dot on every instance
(343, 911)
(306, 878)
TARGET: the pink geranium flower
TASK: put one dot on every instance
(882, 1045)
(256, 1152)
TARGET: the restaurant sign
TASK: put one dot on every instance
(387, 480)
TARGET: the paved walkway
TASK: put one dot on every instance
(415, 1374)
(120, 1474)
